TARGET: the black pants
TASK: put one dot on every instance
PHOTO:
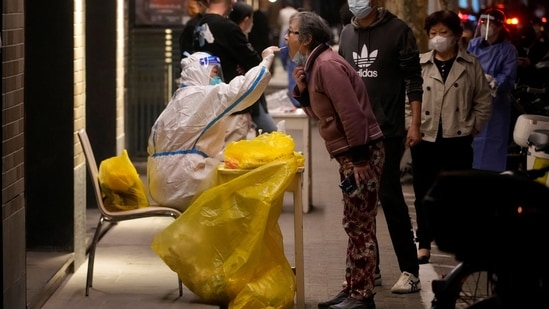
(429, 159)
(395, 208)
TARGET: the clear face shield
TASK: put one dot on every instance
(484, 25)
(487, 25)
(214, 64)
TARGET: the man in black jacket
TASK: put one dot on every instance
(384, 52)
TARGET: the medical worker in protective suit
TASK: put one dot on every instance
(186, 141)
(498, 58)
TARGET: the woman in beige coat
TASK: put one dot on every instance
(456, 104)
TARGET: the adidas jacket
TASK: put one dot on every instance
(386, 56)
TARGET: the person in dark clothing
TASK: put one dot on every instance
(222, 37)
(260, 36)
(383, 50)
(531, 50)
(195, 10)
(243, 15)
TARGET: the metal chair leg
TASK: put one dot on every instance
(91, 255)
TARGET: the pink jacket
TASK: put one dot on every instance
(337, 98)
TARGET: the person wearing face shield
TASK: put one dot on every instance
(498, 58)
(456, 105)
(383, 50)
(186, 142)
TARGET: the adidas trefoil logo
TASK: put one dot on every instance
(364, 60)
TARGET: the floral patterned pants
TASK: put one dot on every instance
(359, 222)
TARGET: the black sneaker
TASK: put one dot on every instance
(334, 301)
(351, 303)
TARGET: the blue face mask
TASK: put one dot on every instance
(360, 8)
(215, 80)
(299, 58)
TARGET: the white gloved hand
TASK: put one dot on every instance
(268, 55)
(271, 50)
(492, 83)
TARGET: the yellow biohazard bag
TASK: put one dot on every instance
(121, 184)
(227, 246)
(263, 149)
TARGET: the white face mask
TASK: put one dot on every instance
(360, 8)
(441, 44)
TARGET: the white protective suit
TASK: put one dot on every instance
(186, 141)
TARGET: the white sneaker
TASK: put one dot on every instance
(407, 283)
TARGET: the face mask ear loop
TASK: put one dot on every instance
(487, 27)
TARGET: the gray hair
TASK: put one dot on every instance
(313, 26)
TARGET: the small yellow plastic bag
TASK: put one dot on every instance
(263, 149)
(121, 184)
(227, 246)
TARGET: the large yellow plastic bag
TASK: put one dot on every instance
(121, 184)
(263, 149)
(227, 246)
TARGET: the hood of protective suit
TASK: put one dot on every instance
(195, 72)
